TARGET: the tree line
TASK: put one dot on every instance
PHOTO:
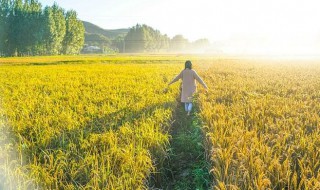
(28, 29)
(143, 38)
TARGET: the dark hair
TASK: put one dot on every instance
(188, 65)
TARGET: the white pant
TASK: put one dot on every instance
(188, 106)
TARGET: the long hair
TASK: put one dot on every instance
(188, 65)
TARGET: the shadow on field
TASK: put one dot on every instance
(126, 115)
(70, 142)
(112, 121)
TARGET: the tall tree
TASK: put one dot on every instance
(143, 38)
(74, 38)
(178, 43)
(200, 45)
(32, 34)
(5, 7)
(165, 43)
(134, 40)
(55, 29)
(27, 29)
(14, 35)
(118, 44)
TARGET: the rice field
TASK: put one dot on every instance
(263, 122)
(103, 122)
(84, 126)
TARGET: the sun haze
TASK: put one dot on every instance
(267, 27)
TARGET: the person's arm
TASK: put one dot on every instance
(179, 76)
(198, 78)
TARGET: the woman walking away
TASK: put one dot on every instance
(189, 77)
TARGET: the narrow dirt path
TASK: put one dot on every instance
(186, 166)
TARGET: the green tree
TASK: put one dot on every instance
(96, 40)
(178, 43)
(5, 7)
(143, 38)
(31, 33)
(55, 29)
(118, 44)
(165, 43)
(159, 42)
(134, 40)
(27, 29)
(200, 45)
(15, 24)
(74, 37)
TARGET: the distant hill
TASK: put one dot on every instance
(111, 34)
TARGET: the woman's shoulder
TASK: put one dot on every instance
(187, 71)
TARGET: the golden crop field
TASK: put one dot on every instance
(263, 121)
(89, 126)
(103, 122)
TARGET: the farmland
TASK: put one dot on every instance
(104, 122)
(263, 121)
(87, 125)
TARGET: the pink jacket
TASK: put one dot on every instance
(189, 87)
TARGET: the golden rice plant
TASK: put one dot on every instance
(100, 123)
(263, 122)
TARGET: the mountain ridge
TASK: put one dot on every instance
(109, 33)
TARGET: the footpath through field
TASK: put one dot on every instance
(187, 166)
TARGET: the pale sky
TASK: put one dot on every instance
(243, 26)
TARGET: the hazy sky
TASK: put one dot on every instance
(257, 26)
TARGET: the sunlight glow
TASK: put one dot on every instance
(248, 26)
(11, 174)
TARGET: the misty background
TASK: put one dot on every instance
(246, 27)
